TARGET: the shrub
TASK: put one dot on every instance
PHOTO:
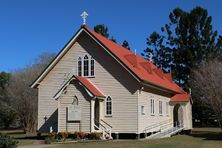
(7, 142)
(94, 136)
(48, 140)
(79, 135)
(53, 135)
(64, 135)
(58, 136)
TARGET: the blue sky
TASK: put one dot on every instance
(31, 27)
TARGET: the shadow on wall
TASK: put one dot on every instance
(52, 121)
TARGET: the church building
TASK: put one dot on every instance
(96, 85)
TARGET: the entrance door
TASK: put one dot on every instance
(96, 113)
(177, 115)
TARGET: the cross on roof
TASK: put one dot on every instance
(84, 16)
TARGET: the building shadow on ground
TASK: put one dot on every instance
(208, 135)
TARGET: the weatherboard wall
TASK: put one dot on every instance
(110, 77)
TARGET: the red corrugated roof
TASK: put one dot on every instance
(180, 98)
(136, 64)
(89, 86)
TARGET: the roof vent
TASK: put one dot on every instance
(146, 66)
(159, 72)
(131, 58)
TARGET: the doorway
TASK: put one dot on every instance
(177, 115)
(96, 113)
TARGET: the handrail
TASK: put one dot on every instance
(106, 123)
(104, 129)
(156, 125)
(100, 123)
(172, 130)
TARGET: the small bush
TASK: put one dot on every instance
(79, 135)
(58, 136)
(48, 140)
(94, 136)
(7, 142)
(64, 135)
(53, 135)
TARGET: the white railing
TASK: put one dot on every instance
(156, 126)
(165, 131)
(106, 131)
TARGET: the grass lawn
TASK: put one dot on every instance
(18, 135)
(201, 138)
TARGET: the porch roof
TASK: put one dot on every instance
(90, 86)
(91, 89)
(180, 98)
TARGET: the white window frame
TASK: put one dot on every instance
(79, 59)
(90, 59)
(160, 107)
(111, 104)
(142, 110)
(167, 108)
(152, 107)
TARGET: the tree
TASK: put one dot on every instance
(206, 83)
(125, 44)
(4, 79)
(23, 99)
(185, 42)
(102, 29)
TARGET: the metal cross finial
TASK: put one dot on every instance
(151, 57)
(84, 16)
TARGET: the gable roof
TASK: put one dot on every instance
(84, 82)
(136, 64)
(143, 70)
(90, 86)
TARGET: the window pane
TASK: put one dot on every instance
(92, 67)
(108, 106)
(86, 67)
(79, 68)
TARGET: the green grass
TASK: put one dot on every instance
(200, 138)
(18, 135)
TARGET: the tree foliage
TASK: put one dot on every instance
(125, 44)
(185, 42)
(22, 99)
(206, 85)
(102, 29)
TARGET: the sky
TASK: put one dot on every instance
(29, 28)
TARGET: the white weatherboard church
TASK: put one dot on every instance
(96, 85)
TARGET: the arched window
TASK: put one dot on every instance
(92, 67)
(108, 106)
(75, 101)
(79, 66)
(86, 66)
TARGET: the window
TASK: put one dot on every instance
(142, 110)
(108, 106)
(79, 66)
(160, 107)
(167, 108)
(92, 67)
(152, 106)
(86, 66)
